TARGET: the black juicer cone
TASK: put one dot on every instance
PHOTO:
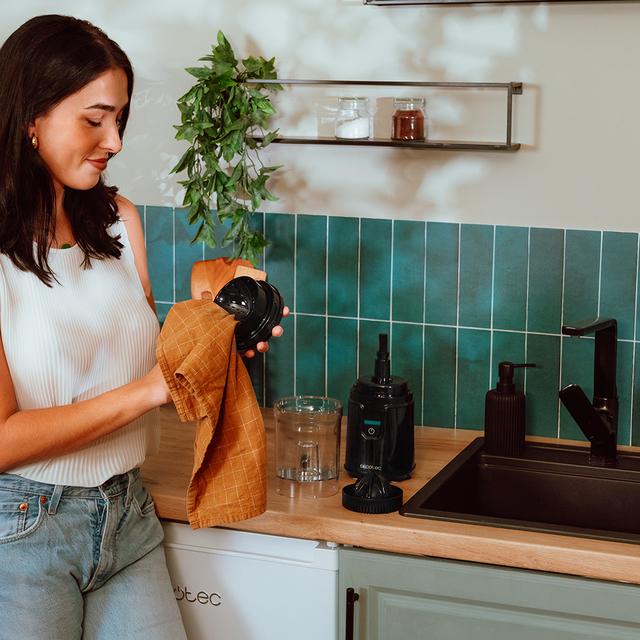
(372, 493)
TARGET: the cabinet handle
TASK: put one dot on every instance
(352, 598)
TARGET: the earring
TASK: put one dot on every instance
(34, 141)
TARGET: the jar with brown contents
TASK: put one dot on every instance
(408, 119)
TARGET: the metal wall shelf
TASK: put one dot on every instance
(511, 88)
(386, 142)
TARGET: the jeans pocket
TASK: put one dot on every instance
(20, 515)
(142, 500)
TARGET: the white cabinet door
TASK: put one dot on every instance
(406, 597)
(246, 586)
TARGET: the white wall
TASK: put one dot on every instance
(578, 119)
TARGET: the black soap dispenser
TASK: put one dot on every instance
(504, 414)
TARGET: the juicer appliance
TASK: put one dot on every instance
(380, 422)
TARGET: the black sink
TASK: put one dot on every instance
(551, 488)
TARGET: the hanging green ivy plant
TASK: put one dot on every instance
(221, 119)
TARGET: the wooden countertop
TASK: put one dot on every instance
(167, 476)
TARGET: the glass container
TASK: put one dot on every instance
(307, 446)
(353, 120)
(408, 119)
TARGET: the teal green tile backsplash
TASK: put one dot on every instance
(407, 302)
(441, 275)
(186, 254)
(311, 265)
(473, 373)
(159, 236)
(409, 343)
(618, 272)
(375, 268)
(342, 267)
(581, 274)
(545, 278)
(475, 275)
(310, 354)
(439, 381)
(342, 355)
(542, 384)
(279, 370)
(455, 300)
(510, 278)
(280, 260)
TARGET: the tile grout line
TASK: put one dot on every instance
(173, 216)
(264, 267)
(635, 335)
(564, 269)
(424, 319)
(493, 288)
(326, 308)
(358, 305)
(600, 271)
(433, 324)
(526, 310)
(455, 392)
(295, 306)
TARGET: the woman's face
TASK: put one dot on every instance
(76, 137)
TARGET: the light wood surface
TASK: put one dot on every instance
(167, 476)
(209, 276)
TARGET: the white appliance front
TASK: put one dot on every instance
(235, 585)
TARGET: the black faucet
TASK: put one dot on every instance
(598, 420)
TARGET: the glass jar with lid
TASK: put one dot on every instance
(408, 119)
(353, 121)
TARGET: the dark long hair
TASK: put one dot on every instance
(45, 60)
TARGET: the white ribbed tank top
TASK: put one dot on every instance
(87, 335)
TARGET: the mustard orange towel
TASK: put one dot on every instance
(209, 383)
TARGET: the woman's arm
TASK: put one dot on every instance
(36, 434)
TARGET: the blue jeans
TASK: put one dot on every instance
(83, 562)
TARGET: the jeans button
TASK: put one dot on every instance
(23, 506)
(43, 499)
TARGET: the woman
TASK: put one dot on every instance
(80, 544)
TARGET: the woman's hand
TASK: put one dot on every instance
(263, 347)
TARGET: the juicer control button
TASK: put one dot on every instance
(372, 429)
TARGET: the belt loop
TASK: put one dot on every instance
(54, 501)
(130, 480)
